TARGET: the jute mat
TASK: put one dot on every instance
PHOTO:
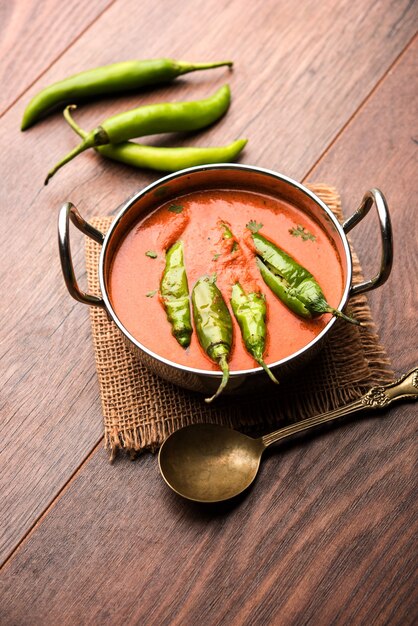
(140, 410)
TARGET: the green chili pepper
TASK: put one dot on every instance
(159, 158)
(109, 79)
(174, 292)
(152, 119)
(213, 325)
(292, 283)
(250, 311)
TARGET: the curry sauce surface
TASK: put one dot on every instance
(197, 219)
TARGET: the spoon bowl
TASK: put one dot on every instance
(211, 463)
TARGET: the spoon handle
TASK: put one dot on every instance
(405, 388)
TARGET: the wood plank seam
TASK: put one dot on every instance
(52, 502)
(361, 106)
(57, 58)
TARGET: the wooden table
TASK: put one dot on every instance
(325, 91)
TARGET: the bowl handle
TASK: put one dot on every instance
(69, 212)
(376, 197)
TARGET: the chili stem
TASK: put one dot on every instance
(268, 371)
(223, 364)
(91, 140)
(72, 122)
(340, 314)
(193, 67)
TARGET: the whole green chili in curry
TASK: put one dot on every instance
(174, 291)
(153, 119)
(250, 312)
(160, 158)
(292, 283)
(213, 324)
(108, 79)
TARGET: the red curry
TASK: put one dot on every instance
(197, 219)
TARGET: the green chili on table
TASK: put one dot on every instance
(153, 119)
(250, 312)
(213, 326)
(291, 283)
(108, 79)
(174, 292)
(160, 158)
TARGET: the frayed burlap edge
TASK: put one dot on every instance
(140, 410)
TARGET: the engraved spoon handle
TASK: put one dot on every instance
(405, 388)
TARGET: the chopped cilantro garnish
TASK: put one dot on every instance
(151, 294)
(175, 208)
(151, 254)
(227, 231)
(253, 226)
(301, 231)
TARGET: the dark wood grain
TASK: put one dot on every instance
(34, 35)
(327, 535)
(320, 539)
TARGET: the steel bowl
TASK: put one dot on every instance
(223, 176)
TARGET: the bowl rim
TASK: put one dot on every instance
(216, 166)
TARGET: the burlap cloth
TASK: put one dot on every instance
(140, 410)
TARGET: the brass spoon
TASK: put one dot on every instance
(211, 463)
